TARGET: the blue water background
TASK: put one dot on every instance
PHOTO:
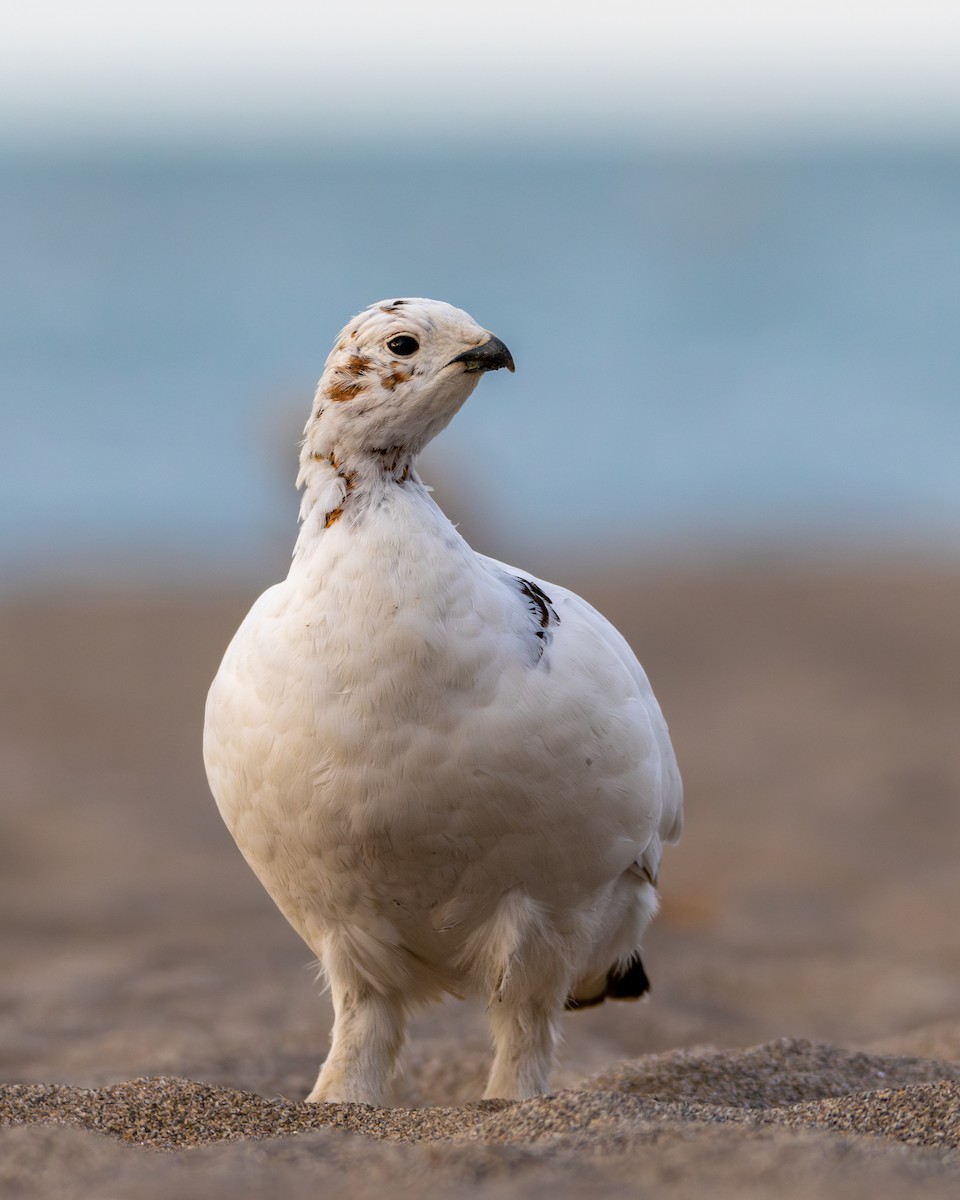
(713, 350)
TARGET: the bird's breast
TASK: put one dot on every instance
(378, 733)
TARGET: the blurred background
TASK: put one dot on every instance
(723, 244)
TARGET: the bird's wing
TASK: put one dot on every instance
(549, 607)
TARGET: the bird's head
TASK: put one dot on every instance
(396, 376)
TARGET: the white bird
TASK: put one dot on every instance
(449, 775)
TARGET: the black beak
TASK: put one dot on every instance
(491, 356)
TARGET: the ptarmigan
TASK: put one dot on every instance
(449, 775)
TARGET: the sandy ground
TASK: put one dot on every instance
(812, 913)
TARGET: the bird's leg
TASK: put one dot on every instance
(525, 1036)
(367, 1033)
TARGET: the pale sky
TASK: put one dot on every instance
(369, 68)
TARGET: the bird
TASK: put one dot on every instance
(451, 776)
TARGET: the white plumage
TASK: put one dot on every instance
(449, 775)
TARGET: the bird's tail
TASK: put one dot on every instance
(623, 982)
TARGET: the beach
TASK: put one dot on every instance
(161, 1023)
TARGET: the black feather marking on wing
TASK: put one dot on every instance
(541, 606)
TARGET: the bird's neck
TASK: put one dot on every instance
(345, 483)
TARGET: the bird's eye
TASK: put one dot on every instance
(404, 345)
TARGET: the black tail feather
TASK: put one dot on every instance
(628, 984)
